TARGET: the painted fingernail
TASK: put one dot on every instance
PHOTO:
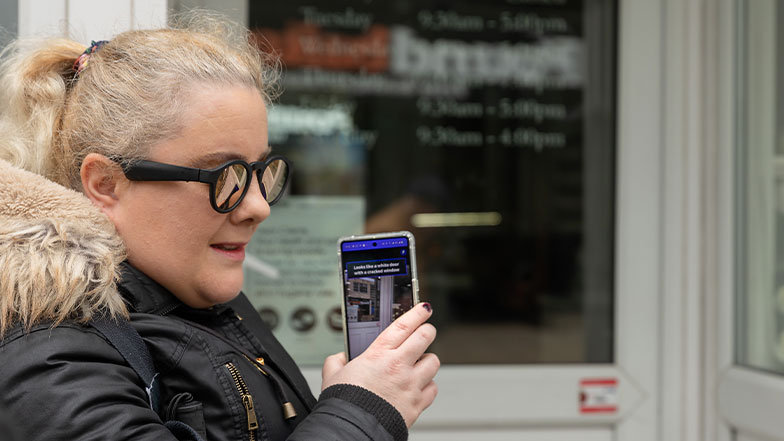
(427, 307)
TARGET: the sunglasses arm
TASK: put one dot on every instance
(155, 171)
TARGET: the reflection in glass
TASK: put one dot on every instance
(760, 205)
(486, 129)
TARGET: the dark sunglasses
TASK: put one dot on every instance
(229, 182)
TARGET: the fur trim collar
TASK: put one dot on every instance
(59, 255)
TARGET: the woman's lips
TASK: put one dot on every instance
(233, 251)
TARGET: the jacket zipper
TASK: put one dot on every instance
(247, 400)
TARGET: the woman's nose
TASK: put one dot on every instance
(253, 207)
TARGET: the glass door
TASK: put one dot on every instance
(751, 391)
(488, 129)
(485, 129)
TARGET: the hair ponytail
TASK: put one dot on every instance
(35, 77)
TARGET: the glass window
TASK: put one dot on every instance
(9, 15)
(760, 186)
(486, 128)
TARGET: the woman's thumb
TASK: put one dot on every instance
(332, 365)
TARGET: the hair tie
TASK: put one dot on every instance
(83, 59)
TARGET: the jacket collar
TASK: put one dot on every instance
(142, 294)
(60, 254)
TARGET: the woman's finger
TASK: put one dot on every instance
(425, 370)
(403, 327)
(429, 393)
(417, 343)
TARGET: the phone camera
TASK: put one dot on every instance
(374, 244)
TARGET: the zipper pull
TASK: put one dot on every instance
(288, 411)
(253, 422)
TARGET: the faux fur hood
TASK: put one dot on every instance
(59, 255)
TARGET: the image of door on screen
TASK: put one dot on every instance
(379, 285)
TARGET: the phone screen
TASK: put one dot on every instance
(379, 285)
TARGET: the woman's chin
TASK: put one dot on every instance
(224, 296)
(215, 292)
(225, 293)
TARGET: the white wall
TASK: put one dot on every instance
(86, 20)
(236, 10)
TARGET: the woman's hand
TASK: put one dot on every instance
(394, 366)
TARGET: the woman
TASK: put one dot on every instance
(163, 135)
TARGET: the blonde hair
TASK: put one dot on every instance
(129, 97)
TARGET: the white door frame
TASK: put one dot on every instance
(696, 61)
(719, 254)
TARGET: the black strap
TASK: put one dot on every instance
(130, 345)
(182, 431)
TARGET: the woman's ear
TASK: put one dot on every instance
(100, 178)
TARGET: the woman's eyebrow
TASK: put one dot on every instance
(213, 159)
(218, 158)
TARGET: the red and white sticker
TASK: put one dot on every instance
(599, 395)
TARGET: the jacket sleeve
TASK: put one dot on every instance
(68, 383)
(348, 412)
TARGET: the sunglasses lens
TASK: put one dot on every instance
(273, 180)
(230, 186)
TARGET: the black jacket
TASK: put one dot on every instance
(60, 379)
(69, 383)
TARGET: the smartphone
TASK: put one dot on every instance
(379, 279)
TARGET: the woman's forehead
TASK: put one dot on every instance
(219, 124)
